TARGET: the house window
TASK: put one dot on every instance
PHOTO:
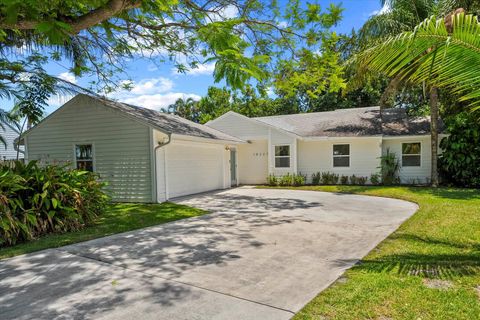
(282, 156)
(341, 155)
(411, 154)
(84, 157)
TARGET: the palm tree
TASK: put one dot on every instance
(399, 16)
(443, 52)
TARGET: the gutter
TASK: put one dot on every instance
(160, 145)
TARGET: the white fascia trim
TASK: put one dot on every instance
(205, 140)
(340, 138)
(420, 136)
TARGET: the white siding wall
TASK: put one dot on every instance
(9, 135)
(121, 146)
(317, 156)
(194, 167)
(253, 162)
(278, 138)
(239, 126)
(420, 174)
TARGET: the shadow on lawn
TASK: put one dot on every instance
(433, 266)
(447, 193)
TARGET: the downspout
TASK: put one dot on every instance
(160, 145)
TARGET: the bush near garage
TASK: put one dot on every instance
(37, 200)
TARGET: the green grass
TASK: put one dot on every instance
(439, 245)
(119, 217)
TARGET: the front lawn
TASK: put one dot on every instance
(428, 269)
(120, 217)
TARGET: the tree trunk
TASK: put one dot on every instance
(434, 133)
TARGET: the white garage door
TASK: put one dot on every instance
(193, 168)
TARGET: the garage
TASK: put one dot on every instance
(187, 167)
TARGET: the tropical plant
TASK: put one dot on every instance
(403, 16)
(38, 200)
(298, 179)
(285, 180)
(460, 158)
(329, 178)
(375, 179)
(272, 180)
(344, 179)
(316, 178)
(389, 168)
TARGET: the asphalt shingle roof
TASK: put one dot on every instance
(167, 123)
(351, 123)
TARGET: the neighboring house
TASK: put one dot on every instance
(346, 142)
(144, 155)
(149, 156)
(9, 133)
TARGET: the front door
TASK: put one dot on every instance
(233, 166)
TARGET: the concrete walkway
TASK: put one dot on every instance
(260, 254)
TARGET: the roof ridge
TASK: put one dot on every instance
(317, 112)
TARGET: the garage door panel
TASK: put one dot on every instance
(194, 168)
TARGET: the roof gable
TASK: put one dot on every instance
(166, 123)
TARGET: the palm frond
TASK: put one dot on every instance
(430, 53)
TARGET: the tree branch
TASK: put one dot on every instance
(110, 9)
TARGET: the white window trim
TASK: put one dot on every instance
(94, 164)
(342, 156)
(420, 154)
(289, 156)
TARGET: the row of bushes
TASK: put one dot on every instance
(322, 178)
(287, 180)
(36, 200)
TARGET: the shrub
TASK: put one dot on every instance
(344, 179)
(316, 177)
(38, 200)
(375, 178)
(353, 179)
(329, 178)
(460, 158)
(298, 179)
(272, 180)
(286, 180)
(389, 168)
(362, 180)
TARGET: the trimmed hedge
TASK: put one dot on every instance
(37, 200)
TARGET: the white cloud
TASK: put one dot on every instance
(202, 69)
(67, 76)
(282, 24)
(152, 93)
(383, 10)
(150, 86)
(227, 12)
(158, 101)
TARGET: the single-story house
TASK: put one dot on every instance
(149, 156)
(346, 142)
(8, 151)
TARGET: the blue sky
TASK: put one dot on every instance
(156, 84)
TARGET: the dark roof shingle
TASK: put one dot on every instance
(351, 123)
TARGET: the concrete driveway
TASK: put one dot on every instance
(260, 254)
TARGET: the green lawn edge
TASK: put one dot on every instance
(429, 268)
(119, 217)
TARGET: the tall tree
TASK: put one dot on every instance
(441, 52)
(400, 16)
(242, 37)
